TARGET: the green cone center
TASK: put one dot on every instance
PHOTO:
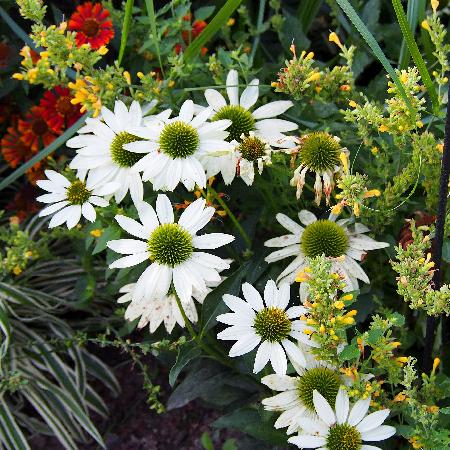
(324, 237)
(122, 157)
(179, 140)
(320, 152)
(170, 245)
(242, 121)
(321, 379)
(343, 437)
(272, 324)
(252, 148)
(77, 193)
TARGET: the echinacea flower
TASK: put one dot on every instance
(34, 129)
(340, 428)
(93, 25)
(339, 240)
(101, 149)
(267, 324)
(161, 310)
(169, 247)
(320, 153)
(70, 200)
(14, 150)
(295, 399)
(175, 146)
(58, 109)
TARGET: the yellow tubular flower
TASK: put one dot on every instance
(426, 25)
(436, 363)
(344, 160)
(333, 37)
(372, 193)
(434, 5)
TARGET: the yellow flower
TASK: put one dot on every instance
(436, 363)
(102, 50)
(440, 148)
(17, 76)
(333, 37)
(372, 193)
(301, 277)
(383, 128)
(127, 76)
(434, 5)
(336, 209)
(374, 150)
(347, 297)
(314, 77)
(400, 397)
(231, 21)
(17, 270)
(426, 25)
(310, 55)
(344, 160)
(339, 304)
(353, 104)
(96, 233)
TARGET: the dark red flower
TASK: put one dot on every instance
(14, 150)
(5, 55)
(57, 109)
(34, 129)
(92, 24)
(24, 202)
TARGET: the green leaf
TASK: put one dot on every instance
(308, 10)
(230, 444)
(186, 353)
(152, 16)
(11, 429)
(109, 234)
(415, 9)
(349, 353)
(211, 29)
(44, 152)
(125, 29)
(445, 410)
(376, 49)
(206, 441)
(373, 336)
(446, 250)
(415, 53)
(6, 330)
(204, 12)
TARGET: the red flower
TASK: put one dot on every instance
(34, 129)
(14, 150)
(24, 204)
(197, 27)
(92, 24)
(57, 109)
(5, 55)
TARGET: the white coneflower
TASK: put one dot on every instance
(101, 152)
(267, 324)
(71, 199)
(340, 428)
(339, 240)
(295, 399)
(173, 147)
(320, 153)
(170, 248)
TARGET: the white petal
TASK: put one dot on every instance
(278, 358)
(280, 382)
(276, 125)
(51, 198)
(164, 209)
(270, 293)
(307, 217)
(286, 252)
(53, 208)
(88, 212)
(129, 261)
(73, 215)
(358, 411)
(238, 305)
(294, 312)
(289, 224)
(252, 296)
(235, 319)
(323, 408)
(369, 447)
(98, 201)
(215, 99)
(283, 241)
(342, 406)
(250, 95)
(128, 246)
(262, 357)
(307, 441)
(294, 353)
(148, 216)
(186, 111)
(132, 227)
(244, 345)
(59, 218)
(272, 109)
(57, 178)
(373, 420)
(378, 434)
(232, 87)
(212, 240)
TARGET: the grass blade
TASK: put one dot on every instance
(211, 29)
(125, 29)
(414, 10)
(6, 330)
(11, 428)
(308, 10)
(374, 46)
(44, 152)
(152, 17)
(415, 52)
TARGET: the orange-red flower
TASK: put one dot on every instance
(57, 109)
(34, 129)
(14, 150)
(92, 24)
(197, 27)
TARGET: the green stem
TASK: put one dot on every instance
(186, 320)
(233, 218)
(262, 7)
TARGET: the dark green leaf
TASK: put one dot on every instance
(125, 29)
(186, 353)
(206, 441)
(204, 12)
(349, 353)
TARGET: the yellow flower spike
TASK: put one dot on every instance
(352, 313)
(336, 209)
(372, 193)
(348, 320)
(310, 55)
(436, 363)
(333, 37)
(356, 209)
(314, 77)
(352, 103)
(339, 304)
(404, 78)
(332, 332)
(127, 76)
(419, 124)
(434, 5)
(426, 25)
(231, 21)
(344, 160)
(102, 50)
(96, 233)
